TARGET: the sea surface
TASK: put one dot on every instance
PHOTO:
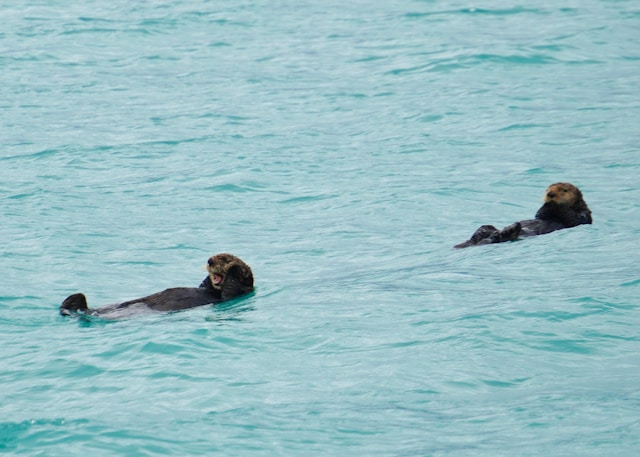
(341, 149)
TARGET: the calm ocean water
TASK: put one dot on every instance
(341, 149)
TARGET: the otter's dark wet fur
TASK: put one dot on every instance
(564, 207)
(228, 277)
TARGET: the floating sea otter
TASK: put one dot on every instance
(229, 277)
(563, 208)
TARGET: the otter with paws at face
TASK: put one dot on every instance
(228, 277)
(564, 207)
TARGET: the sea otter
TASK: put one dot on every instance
(563, 208)
(228, 277)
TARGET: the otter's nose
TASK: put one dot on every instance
(550, 194)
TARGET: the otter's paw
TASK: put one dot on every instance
(510, 232)
(486, 234)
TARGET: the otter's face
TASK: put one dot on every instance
(561, 193)
(227, 269)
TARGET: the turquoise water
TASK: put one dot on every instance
(341, 149)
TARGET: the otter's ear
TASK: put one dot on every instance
(238, 281)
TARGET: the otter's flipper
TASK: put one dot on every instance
(488, 234)
(483, 235)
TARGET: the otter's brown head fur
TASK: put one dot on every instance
(562, 193)
(229, 275)
(564, 202)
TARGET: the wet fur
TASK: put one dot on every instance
(564, 207)
(237, 279)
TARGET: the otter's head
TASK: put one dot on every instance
(563, 194)
(229, 275)
(564, 202)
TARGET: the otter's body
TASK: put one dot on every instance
(229, 277)
(174, 299)
(564, 207)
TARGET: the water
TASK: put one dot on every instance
(341, 149)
